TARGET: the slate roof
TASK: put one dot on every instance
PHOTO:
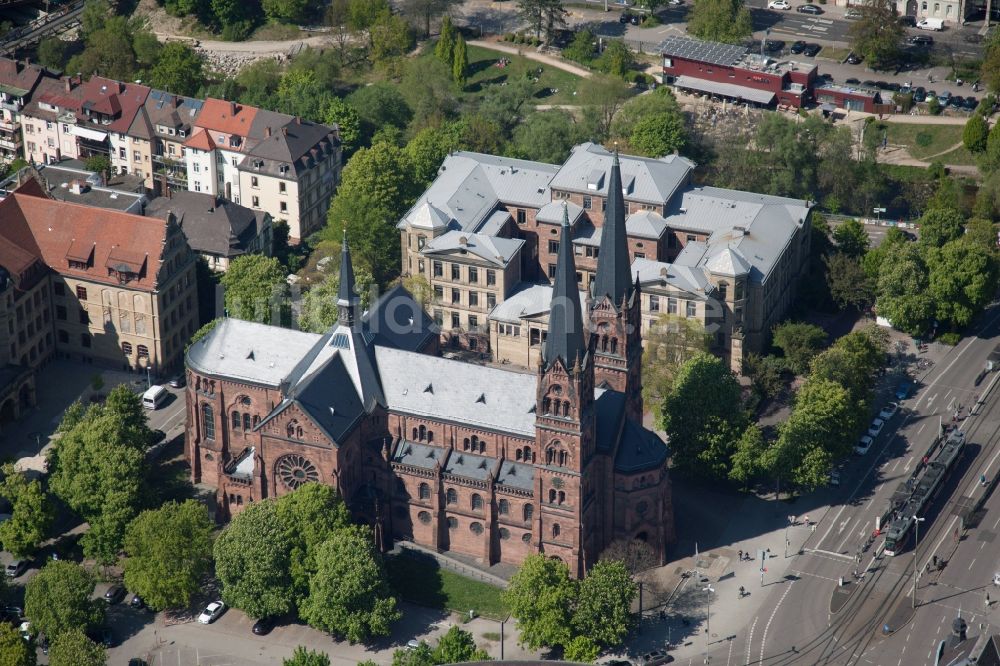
(354, 347)
(552, 212)
(643, 179)
(429, 216)
(470, 465)
(613, 279)
(530, 300)
(326, 397)
(470, 186)
(567, 339)
(397, 320)
(250, 352)
(213, 225)
(646, 224)
(658, 273)
(516, 475)
(418, 455)
(297, 144)
(169, 110)
(48, 229)
(609, 406)
(474, 395)
(639, 450)
(495, 250)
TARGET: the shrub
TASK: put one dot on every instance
(934, 106)
(950, 338)
(924, 139)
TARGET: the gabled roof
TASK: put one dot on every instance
(728, 261)
(18, 78)
(474, 395)
(48, 229)
(354, 347)
(643, 179)
(200, 140)
(227, 117)
(529, 301)
(53, 92)
(397, 320)
(552, 212)
(495, 250)
(326, 396)
(169, 110)
(646, 224)
(295, 144)
(213, 225)
(113, 98)
(652, 273)
(429, 216)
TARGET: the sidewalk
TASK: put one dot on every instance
(530, 53)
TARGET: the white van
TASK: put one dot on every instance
(931, 24)
(154, 397)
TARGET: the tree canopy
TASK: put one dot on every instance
(543, 16)
(305, 657)
(670, 342)
(877, 36)
(31, 516)
(14, 650)
(58, 599)
(799, 342)
(254, 286)
(73, 648)
(726, 21)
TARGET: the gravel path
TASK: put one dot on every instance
(531, 54)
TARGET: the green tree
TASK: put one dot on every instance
(178, 69)
(617, 58)
(14, 650)
(799, 342)
(52, 53)
(989, 70)
(457, 646)
(422, 655)
(301, 93)
(427, 149)
(902, 289)
(939, 226)
(254, 286)
(873, 259)
(658, 135)
(764, 373)
(236, 18)
(305, 657)
(310, 515)
(748, 458)
(32, 512)
(848, 283)
(962, 280)
(444, 50)
(851, 238)
(540, 596)
(725, 21)
(975, 134)
(429, 89)
(602, 97)
(93, 17)
(377, 187)
(877, 36)
(252, 562)
(670, 342)
(288, 11)
(814, 470)
(460, 62)
(583, 47)
(603, 610)
(319, 304)
(582, 649)
(378, 105)
(391, 37)
(73, 648)
(169, 553)
(258, 83)
(506, 106)
(425, 10)
(349, 595)
(703, 416)
(338, 112)
(58, 599)
(547, 136)
(98, 164)
(543, 15)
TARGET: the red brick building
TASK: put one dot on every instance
(491, 463)
(730, 71)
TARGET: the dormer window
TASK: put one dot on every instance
(182, 132)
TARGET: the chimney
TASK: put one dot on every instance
(284, 131)
(232, 108)
(69, 83)
(267, 132)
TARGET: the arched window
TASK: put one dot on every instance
(452, 496)
(246, 421)
(556, 530)
(529, 511)
(562, 497)
(546, 406)
(528, 455)
(475, 444)
(503, 508)
(290, 430)
(208, 420)
(430, 435)
(143, 351)
(127, 348)
(414, 433)
(236, 420)
(423, 433)
(477, 502)
(565, 408)
(563, 458)
(298, 432)
(604, 343)
(552, 496)
(239, 500)
(465, 444)
(425, 491)
(614, 345)
(518, 454)
(549, 455)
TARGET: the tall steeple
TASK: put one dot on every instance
(614, 273)
(566, 339)
(347, 299)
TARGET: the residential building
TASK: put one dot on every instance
(489, 463)
(46, 120)
(102, 126)
(732, 72)
(115, 288)
(216, 229)
(18, 80)
(70, 180)
(215, 148)
(693, 247)
(166, 120)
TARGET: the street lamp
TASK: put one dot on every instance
(708, 605)
(916, 544)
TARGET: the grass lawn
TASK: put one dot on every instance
(419, 579)
(483, 73)
(836, 55)
(957, 156)
(923, 141)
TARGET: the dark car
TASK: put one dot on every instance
(809, 9)
(263, 626)
(798, 47)
(135, 661)
(957, 102)
(919, 94)
(867, 83)
(114, 594)
(854, 59)
(971, 103)
(922, 40)
(908, 21)
(624, 18)
(852, 82)
(774, 46)
(881, 85)
(811, 50)
(136, 602)
(177, 382)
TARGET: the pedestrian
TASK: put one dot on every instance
(982, 479)
(806, 519)
(741, 554)
(987, 599)
(742, 591)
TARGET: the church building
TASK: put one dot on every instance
(486, 461)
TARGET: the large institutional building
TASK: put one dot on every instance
(490, 463)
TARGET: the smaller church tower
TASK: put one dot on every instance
(348, 301)
(615, 318)
(565, 421)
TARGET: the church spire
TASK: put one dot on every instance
(566, 338)
(613, 270)
(347, 298)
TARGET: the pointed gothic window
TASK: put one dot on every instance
(614, 345)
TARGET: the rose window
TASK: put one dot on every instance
(295, 470)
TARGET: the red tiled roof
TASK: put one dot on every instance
(114, 98)
(200, 140)
(18, 75)
(49, 229)
(218, 115)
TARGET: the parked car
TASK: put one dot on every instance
(919, 94)
(797, 47)
(944, 97)
(263, 626)
(809, 9)
(835, 477)
(136, 602)
(212, 612)
(852, 14)
(908, 21)
(957, 102)
(15, 568)
(114, 594)
(779, 4)
(882, 85)
(854, 59)
(102, 636)
(655, 658)
(624, 18)
(136, 661)
(921, 40)
(178, 381)
(852, 82)
(970, 104)
(875, 429)
(811, 49)
(863, 445)
(889, 411)
(774, 46)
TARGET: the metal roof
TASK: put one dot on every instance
(530, 300)
(714, 53)
(643, 179)
(730, 90)
(657, 273)
(493, 249)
